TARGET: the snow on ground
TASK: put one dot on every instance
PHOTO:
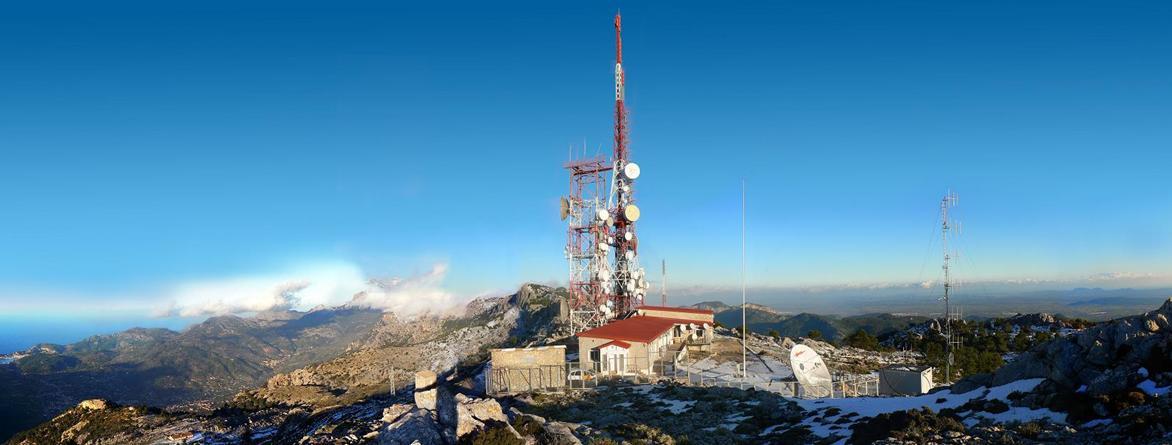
(764, 372)
(1097, 422)
(872, 406)
(731, 421)
(677, 406)
(865, 407)
(674, 406)
(1149, 387)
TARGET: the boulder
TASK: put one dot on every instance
(485, 410)
(417, 426)
(465, 422)
(472, 414)
(394, 412)
(560, 433)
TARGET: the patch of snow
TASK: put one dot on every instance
(872, 406)
(678, 406)
(1021, 414)
(624, 404)
(733, 418)
(1143, 372)
(1149, 387)
(1081, 389)
(770, 430)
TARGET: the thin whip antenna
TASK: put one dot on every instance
(744, 324)
(663, 290)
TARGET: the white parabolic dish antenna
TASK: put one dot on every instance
(810, 371)
(631, 170)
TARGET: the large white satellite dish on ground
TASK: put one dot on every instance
(810, 371)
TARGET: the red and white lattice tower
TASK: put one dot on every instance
(602, 247)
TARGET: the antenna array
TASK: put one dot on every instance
(947, 231)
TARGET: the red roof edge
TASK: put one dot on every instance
(690, 310)
(619, 343)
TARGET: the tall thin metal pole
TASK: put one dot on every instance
(663, 291)
(744, 324)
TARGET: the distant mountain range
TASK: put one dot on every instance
(763, 319)
(160, 367)
(976, 300)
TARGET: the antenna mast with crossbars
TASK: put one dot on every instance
(946, 226)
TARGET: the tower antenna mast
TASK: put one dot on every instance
(744, 323)
(602, 248)
(948, 202)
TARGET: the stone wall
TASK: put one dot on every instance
(517, 370)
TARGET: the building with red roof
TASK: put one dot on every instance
(654, 335)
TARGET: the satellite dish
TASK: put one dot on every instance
(631, 212)
(627, 236)
(565, 208)
(602, 214)
(810, 371)
(631, 170)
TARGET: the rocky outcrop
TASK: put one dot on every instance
(1028, 320)
(93, 404)
(1105, 358)
(438, 417)
(415, 426)
(474, 414)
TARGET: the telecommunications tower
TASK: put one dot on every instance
(602, 248)
(946, 231)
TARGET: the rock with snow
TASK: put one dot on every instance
(1091, 356)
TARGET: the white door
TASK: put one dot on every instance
(614, 360)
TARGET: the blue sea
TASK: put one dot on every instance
(20, 332)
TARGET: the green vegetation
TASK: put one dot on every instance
(863, 340)
(494, 433)
(765, 321)
(46, 363)
(814, 334)
(981, 347)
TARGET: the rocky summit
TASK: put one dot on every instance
(421, 380)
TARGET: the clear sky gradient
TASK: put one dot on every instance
(151, 143)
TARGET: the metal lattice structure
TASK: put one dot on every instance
(950, 317)
(606, 279)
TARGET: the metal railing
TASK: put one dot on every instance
(614, 371)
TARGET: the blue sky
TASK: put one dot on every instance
(147, 146)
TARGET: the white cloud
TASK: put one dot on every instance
(320, 284)
(407, 296)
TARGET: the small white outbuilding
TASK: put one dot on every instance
(903, 380)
